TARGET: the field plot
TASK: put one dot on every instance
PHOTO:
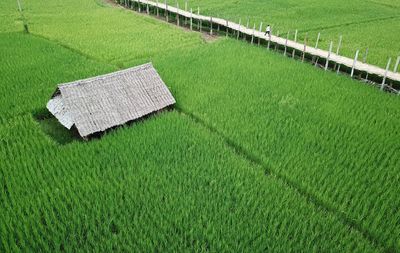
(10, 18)
(183, 189)
(327, 134)
(31, 68)
(111, 35)
(326, 165)
(363, 24)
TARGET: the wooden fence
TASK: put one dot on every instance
(386, 79)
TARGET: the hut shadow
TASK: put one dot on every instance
(61, 135)
(53, 129)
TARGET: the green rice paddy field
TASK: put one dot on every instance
(372, 24)
(261, 154)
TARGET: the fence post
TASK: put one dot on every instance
(211, 26)
(19, 6)
(177, 13)
(365, 61)
(318, 37)
(238, 32)
(305, 47)
(260, 30)
(166, 11)
(365, 55)
(287, 38)
(354, 63)
(276, 44)
(234, 32)
(200, 22)
(386, 72)
(140, 8)
(158, 11)
(269, 38)
(337, 53)
(186, 9)
(147, 8)
(329, 55)
(315, 58)
(227, 28)
(191, 19)
(396, 65)
(295, 40)
(244, 34)
(252, 36)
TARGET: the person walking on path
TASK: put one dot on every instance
(268, 30)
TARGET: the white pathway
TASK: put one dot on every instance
(342, 60)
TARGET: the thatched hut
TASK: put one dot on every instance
(102, 102)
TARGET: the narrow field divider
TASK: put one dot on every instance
(311, 197)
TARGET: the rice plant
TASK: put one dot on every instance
(330, 135)
(373, 25)
(326, 170)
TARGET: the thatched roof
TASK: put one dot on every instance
(96, 104)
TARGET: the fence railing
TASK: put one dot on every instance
(384, 78)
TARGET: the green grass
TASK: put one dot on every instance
(328, 144)
(10, 18)
(165, 184)
(161, 185)
(32, 67)
(125, 35)
(363, 24)
(329, 135)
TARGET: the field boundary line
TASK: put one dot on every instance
(301, 190)
(384, 4)
(74, 50)
(322, 28)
